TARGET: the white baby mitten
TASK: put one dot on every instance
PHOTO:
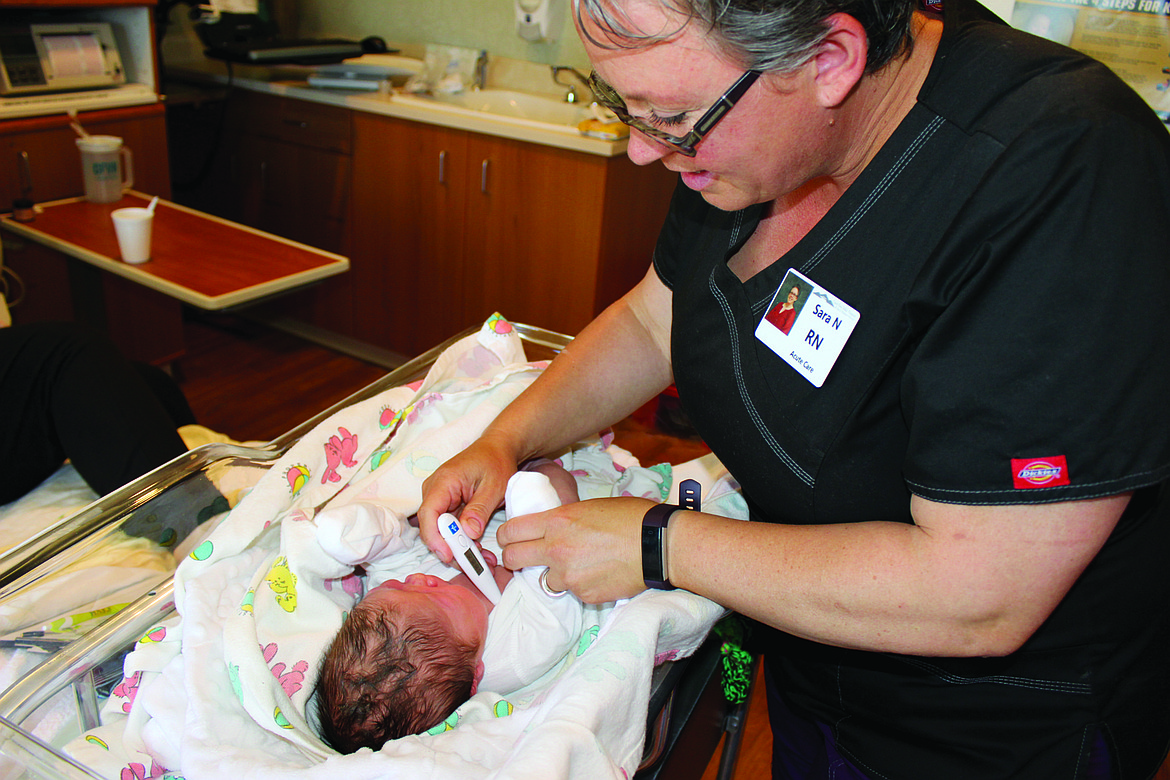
(529, 492)
(360, 532)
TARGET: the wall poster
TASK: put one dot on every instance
(1132, 37)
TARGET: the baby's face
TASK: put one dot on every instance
(457, 603)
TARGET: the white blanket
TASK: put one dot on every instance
(224, 689)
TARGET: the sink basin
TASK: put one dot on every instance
(520, 105)
(510, 104)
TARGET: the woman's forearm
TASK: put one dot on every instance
(960, 581)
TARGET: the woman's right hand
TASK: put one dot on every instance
(473, 480)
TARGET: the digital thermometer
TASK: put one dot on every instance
(468, 556)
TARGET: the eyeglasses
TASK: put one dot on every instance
(608, 97)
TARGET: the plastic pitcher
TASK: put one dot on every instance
(106, 166)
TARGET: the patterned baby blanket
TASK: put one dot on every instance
(224, 688)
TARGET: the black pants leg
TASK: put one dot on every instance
(65, 393)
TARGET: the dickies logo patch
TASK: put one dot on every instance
(1028, 473)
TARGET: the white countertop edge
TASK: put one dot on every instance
(61, 103)
(443, 116)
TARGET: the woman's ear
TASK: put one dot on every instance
(840, 60)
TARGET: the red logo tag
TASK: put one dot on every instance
(1039, 472)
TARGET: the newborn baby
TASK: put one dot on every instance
(412, 651)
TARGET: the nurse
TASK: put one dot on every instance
(956, 458)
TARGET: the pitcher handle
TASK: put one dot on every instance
(128, 164)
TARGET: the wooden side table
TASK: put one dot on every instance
(196, 259)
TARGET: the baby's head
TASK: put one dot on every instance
(408, 655)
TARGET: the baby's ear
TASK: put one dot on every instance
(479, 669)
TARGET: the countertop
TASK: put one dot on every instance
(291, 82)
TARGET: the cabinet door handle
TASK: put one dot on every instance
(25, 171)
(483, 177)
(296, 123)
(443, 167)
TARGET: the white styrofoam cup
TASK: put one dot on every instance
(133, 228)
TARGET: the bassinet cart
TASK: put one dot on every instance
(60, 697)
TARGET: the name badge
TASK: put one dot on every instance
(807, 326)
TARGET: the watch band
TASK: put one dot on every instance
(654, 524)
(653, 556)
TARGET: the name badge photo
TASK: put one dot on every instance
(807, 326)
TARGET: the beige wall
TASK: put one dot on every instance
(410, 24)
(482, 24)
(406, 24)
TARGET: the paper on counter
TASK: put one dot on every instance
(236, 6)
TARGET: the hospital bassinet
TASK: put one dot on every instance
(60, 697)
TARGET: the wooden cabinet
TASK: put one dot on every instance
(534, 217)
(291, 168)
(408, 232)
(449, 226)
(267, 161)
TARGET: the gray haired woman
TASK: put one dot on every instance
(957, 475)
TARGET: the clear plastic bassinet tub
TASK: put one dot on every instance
(62, 671)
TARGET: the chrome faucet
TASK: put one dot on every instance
(481, 66)
(572, 95)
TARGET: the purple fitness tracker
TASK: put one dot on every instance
(654, 524)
